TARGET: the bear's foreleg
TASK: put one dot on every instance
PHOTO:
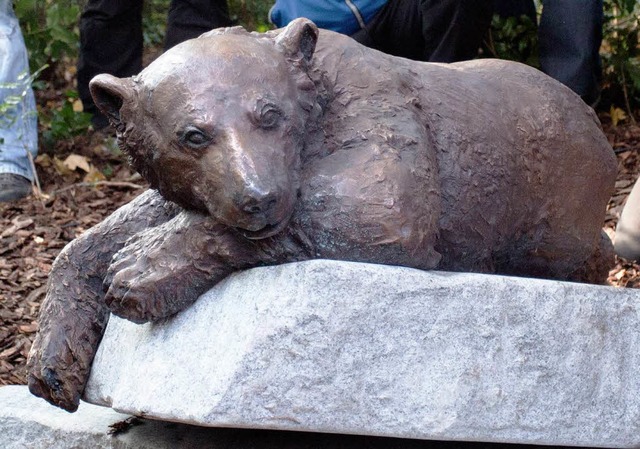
(163, 270)
(73, 315)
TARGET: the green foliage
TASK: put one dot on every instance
(50, 29)
(621, 50)
(65, 122)
(154, 22)
(251, 14)
(513, 38)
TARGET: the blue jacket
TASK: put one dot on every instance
(346, 16)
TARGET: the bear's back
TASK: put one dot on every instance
(514, 148)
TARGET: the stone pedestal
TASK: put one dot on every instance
(339, 347)
(27, 422)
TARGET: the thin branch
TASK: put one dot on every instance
(626, 95)
(122, 184)
(36, 180)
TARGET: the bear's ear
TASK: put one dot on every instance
(110, 93)
(298, 40)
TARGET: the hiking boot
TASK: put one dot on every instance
(13, 187)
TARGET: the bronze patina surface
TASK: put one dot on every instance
(297, 144)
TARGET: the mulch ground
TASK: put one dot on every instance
(34, 230)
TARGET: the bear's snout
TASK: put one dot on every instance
(255, 201)
(260, 213)
(257, 208)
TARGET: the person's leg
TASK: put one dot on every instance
(188, 19)
(429, 30)
(396, 30)
(110, 42)
(18, 123)
(516, 8)
(570, 35)
(453, 29)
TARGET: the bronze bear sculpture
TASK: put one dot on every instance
(297, 144)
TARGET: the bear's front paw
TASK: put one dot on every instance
(137, 296)
(151, 291)
(161, 271)
(134, 284)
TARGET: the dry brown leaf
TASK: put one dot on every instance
(74, 161)
(61, 168)
(44, 160)
(94, 175)
(617, 115)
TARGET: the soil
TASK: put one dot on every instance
(35, 229)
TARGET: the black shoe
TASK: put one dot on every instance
(13, 187)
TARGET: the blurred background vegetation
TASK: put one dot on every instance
(50, 30)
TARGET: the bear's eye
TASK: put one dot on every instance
(269, 117)
(194, 138)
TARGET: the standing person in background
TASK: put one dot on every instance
(18, 127)
(424, 30)
(569, 36)
(111, 38)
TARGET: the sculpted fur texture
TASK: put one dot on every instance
(296, 144)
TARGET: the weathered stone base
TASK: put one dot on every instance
(349, 348)
(27, 422)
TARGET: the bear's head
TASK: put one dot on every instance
(217, 123)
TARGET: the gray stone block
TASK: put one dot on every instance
(340, 347)
(27, 422)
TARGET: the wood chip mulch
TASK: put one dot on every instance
(32, 233)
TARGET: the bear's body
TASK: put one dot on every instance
(279, 153)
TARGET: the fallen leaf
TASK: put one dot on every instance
(617, 115)
(94, 175)
(74, 161)
(44, 160)
(77, 106)
(61, 167)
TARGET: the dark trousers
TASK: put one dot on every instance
(569, 35)
(111, 37)
(429, 30)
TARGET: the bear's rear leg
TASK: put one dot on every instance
(595, 269)
(563, 258)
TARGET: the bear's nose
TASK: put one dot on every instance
(256, 202)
